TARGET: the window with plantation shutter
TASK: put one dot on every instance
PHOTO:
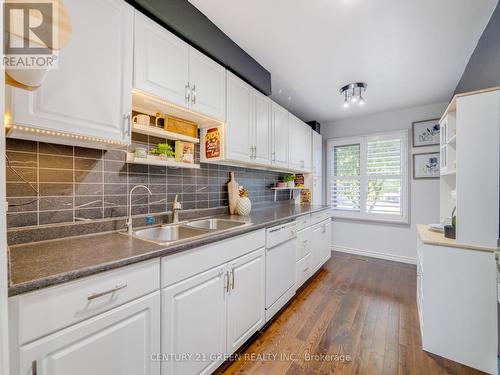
(368, 177)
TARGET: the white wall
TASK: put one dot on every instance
(389, 241)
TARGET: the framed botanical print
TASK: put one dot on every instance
(426, 133)
(426, 165)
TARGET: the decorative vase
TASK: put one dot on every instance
(290, 184)
(243, 206)
(281, 184)
(449, 232)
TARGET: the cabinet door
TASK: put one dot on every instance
(280, 136)
(246, 304)
(306, 148)
(317, 190)
(161, 62)
(194, 323)
(262, 129)
(208, 85)
(239, 119)
(120, 341)
(317, 154)
(296, 143)
(317, 247)
(90, 93)
(326, 248)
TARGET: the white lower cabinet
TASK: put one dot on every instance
(313, 246)
(456, 300)
(326, 245)
(246, 303)
(119, 341)
(316, 244)
(194, 323)
(211, 314)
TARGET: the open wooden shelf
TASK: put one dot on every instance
(156, 161)
(149, 104)
(288, 188)
(449, 173)
(161, 133)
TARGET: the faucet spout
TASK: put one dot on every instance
(130, 230)
(175, 209)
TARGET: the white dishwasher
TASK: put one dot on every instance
(281, 242)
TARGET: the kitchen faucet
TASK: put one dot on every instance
(129, 215)
(175, 208)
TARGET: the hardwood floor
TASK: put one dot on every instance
(361, 312)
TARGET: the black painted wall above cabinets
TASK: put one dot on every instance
(483, 69)
(187, 22)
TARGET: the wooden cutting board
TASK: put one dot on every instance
(233, 193)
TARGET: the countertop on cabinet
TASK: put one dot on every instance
(430, 237)
(42, 264)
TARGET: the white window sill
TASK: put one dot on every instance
(365, 220)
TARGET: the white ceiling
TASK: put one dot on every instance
(410, 52)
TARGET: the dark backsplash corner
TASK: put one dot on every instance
(54, 184)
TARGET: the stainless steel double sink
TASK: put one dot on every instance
(171, 233)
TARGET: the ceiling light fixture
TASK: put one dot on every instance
(353, 93)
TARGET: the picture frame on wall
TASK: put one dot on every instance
(426, 133)
(426, 165)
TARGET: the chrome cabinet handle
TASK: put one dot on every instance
(187, 93)
(232, 278)
(193, 98)
(101, 294)
(127, 117)
(34, 367)
(226, 282)
(273, 156)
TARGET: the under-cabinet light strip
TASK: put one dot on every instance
(63, 134)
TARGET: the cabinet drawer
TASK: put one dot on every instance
(51, 309)
(303, 243)
(303, 222)
(320, 216)
(302, 271)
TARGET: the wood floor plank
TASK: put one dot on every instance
(358, 307)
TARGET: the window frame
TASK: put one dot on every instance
(362, 140)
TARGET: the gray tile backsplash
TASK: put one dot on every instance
(49, 184)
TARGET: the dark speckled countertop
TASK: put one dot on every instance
(41, 264)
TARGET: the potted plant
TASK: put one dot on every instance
(450, 230)
(243, 204)
(164, 151)
(290, 180)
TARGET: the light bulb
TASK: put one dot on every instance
(361, 101)
(346, 104)
(354, 99)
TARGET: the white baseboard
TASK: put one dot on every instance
(375, 254)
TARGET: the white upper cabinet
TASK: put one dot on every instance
(317, 154)
(300, 141)
(120, 341)
(208, 85)
(167, 67)
(261, 134)
(161, 62)
(279, 154)
(307, 147)
(239, 120)
(90, 92)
